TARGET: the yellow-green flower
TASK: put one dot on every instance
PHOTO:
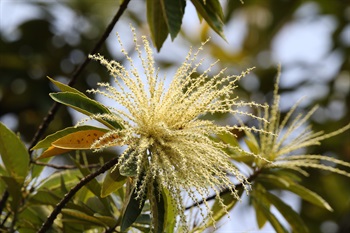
(167, 139)
(292, 134)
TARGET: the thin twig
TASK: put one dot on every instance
(223, 192)
(111, 229)
(49, 221)
(54, 108)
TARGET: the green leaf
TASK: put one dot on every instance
(259, 215)
(251, 142)
(173, 14)
(288, 184)
(14, 154)
(260, 200)
(66, 88)
(45, 197)
(170, 211)
(46, 143)
(129, 169)
(269, 216)
(288, 213)
(14, 189)
(85, 105)
(132, 209)
(156, 22)
(112, 182)
(82, 217)
(229, 201)
(212, 13)
(53, 182)
(158, 205)
(107, 220)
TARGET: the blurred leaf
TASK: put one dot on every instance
(85, 105)
(212, 13)
(288, 184)
(15, 191)
(251, 142)
(259, 215)
(156, 22)
(260, 200)
(84, 218)
(45, 197)
(14, 154)
(47, 142)
(53, 182)
(107, 220)
(112, 181)
(288, 213)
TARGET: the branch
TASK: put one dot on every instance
(223, 192)
(3, 200)
(54, 108)
(49, 221)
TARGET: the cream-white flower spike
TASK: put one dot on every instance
(281, 150)
(162, 127)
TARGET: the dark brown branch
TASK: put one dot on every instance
(54, 108)
(3, 200)
(49, 221)
(223, 192)
(111, 229)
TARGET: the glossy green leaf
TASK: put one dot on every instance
(46, 142)
(85, 105)
(158, 206)
(66, 88)
(14, 154)
(156, 22)
(173, 14)
(132, 209)
(288, 184)
(212, 13)
(112, 181)
(288, 213)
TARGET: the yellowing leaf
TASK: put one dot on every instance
(81, 140)
(52, 151)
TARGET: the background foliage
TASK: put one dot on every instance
(42, 45)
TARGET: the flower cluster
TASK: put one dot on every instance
(290, 136)
(167, 138)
